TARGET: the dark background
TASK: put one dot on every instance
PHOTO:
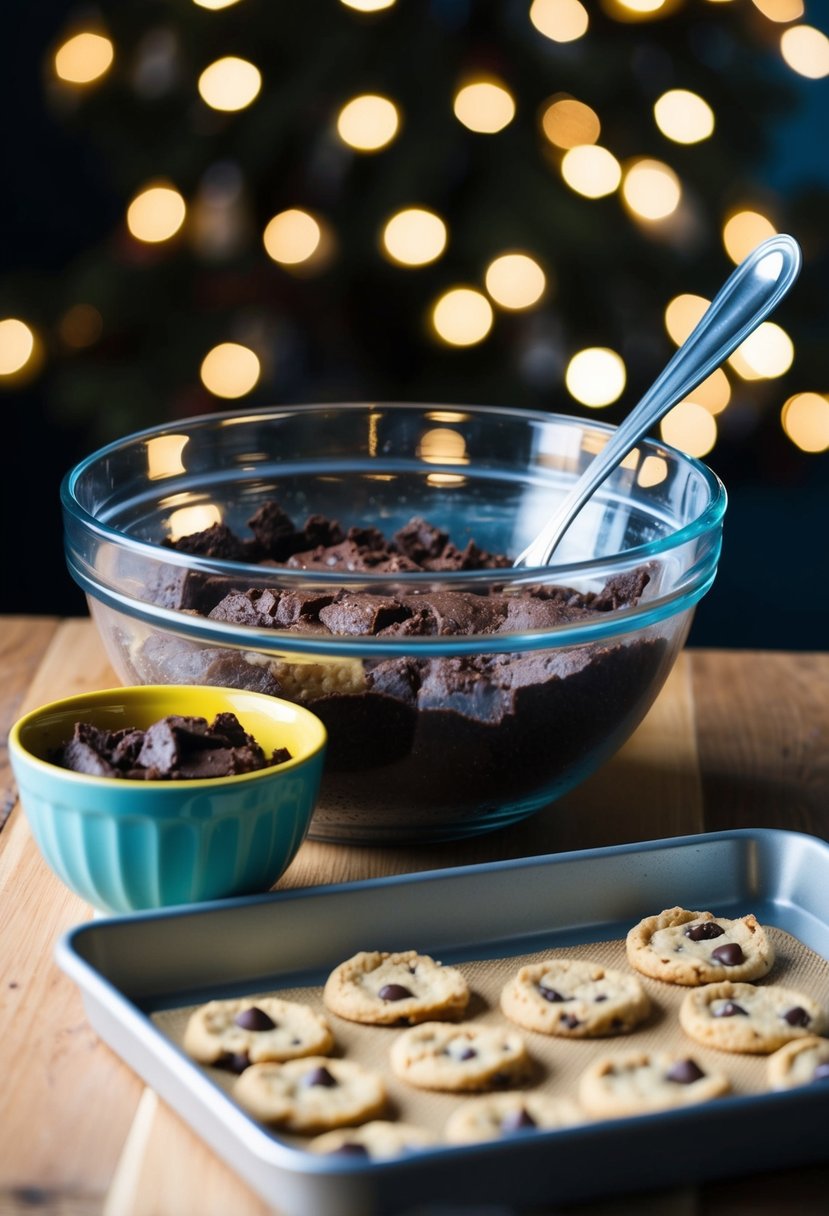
(60, 197)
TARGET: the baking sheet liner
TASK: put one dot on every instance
(558, 1062)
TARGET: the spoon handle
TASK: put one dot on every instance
(746, 298)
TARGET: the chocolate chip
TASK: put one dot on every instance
(705, 931)
(797, 1016)
(550, 994)
(468, 1053)
(601, 997)
(684, 1072)
(821, 1072)
(234, 1061)
(729, 955)
(254, 1018)
(394, 992)
(350, 1148)
(320, 1076)
(729, 1010)
(517, 1121)
(569, 1020)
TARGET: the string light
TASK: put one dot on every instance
(17, 344)
(230, 370)
(484, 106)
(462, 317)
(743, 231)
(515, 281)
(689, 427)
(805, 419)
(84, 58)
(591, 170)
(651, 190)
(368, 123)
(230, 84)
(765, 354)
(596, 376)
(414, 237)
(806, 51)
(567, 123)
(683, 116)
(780, 10)
(156, 213)
(292, 237)
(559, 20)
(682, 314)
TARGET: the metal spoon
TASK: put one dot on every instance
(746, 298)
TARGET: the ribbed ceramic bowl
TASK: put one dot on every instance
(124, 845)
(533, 710)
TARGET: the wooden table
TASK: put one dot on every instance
(736, 739)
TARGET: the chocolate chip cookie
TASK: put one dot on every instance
(436, 1055)
(691, 948)
(234, 1034)
(311, 1095)
(801, 1062)
(748, 1019)
(384, 989)
(376, 1141)
(574, 998)
(635, 1082)
(495, 1116)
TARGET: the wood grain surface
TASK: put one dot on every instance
(735, 739)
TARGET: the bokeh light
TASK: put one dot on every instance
(164, 456)
(780, 10)
(567, 123)
(651, 190)
(230, 84)
(682, 314)
(596, 376)
(805, 418)
(17, 344)
(641, 8)
(591, 170)
(714, 393)
(292, 237)
(441, 445)
(368, 123)
(230, 370)
(84, 58)
(559, 20)
(215, 5)
(765, 354)
(368, 6)
(806, 51)
(414, 236)
(156, 213)
(690, 427)
(515, 281)
(683, 116)
(743, 231)
(653, 471)
(462, 317)
(484, 106)
(184, 521)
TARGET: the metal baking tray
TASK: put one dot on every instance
(127, 967)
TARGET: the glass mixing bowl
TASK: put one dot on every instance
(431, 735)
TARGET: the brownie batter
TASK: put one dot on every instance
(419, 743)
(174, 748)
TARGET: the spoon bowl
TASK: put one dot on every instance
(746, 298)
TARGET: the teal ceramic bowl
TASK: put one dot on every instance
(125, 845)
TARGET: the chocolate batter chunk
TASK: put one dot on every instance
(173, 748)
(415, 742)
